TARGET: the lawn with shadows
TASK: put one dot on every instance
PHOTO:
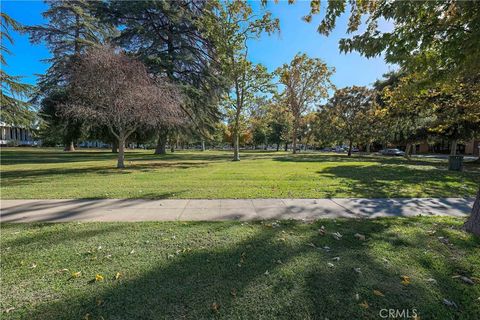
(29, 173)
(234, 270)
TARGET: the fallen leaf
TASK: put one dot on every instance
(117, 275)
(337, 235)
(133, 251)
(322, 231)
(99, 302)
(32, 266)
(357, 296)
(405, 280)
(215, 307)
(331, 265)
(364, 304)
(266, 273)
(87, 316)
(311, 245)
(465, 279)
(76, 274)
(98, 277)
(378, 293)
(9, 309)
(431, 280)
(359, 236)
(357, 270)
(449, 303)
(336, 259)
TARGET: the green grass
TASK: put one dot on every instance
(51, 173)
(250, 270)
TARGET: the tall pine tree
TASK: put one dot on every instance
(169, 38)
(14, 110)
(71, 28)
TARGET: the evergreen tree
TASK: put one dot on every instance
(71, 28)
(169, 37)
(14, 109)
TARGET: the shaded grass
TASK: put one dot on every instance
(51, 173)
(250, 270)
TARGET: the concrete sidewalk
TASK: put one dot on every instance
(226, 209)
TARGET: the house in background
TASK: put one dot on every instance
(15, 136)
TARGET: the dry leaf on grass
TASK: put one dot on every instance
(215, 307)
(364, 304)
(378, 293)
(117, 276)
(98, 277)
(405, 280)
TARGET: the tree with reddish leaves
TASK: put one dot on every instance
(109, 88)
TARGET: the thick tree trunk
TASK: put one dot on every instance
(115, 146)
(278, 146)
(350, 145)
(121, 154)
(162, 142)
(473, 223)
(70, 147)
(286, 146)
(453, 148)
(203, 145)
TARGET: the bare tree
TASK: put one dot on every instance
(112, 89)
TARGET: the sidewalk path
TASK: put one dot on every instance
(226, 209)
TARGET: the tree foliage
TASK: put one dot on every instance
(15, 110)
(306, 81)
(114, 90)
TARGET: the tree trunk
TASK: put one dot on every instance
(121, 154)
(115, 146)
(69, 147)
(350, 144)
(278, 146)
(453, 148)
(162, 142)
(236, 145)
(172, 148)
(473, 223)
(294, 137)
(407, 150)
(286, 146)
(368, 147)
(203, 145)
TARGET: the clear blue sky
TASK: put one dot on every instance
(295, 36)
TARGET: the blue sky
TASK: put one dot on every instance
(295, 36)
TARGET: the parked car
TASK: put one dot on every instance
(392, 152)
(339, 149)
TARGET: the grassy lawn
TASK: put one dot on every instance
(51, 173)
(233, 270)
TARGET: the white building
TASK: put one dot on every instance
(15, 136)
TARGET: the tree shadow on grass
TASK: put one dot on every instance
(273, 273)
(401, 181)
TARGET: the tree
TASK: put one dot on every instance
(347, 109)
(279, 123)
(14, 109)
(230, 25)
(436, 38)
(72, 27)
(116, 91)
(306, 81)
(170, 38)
